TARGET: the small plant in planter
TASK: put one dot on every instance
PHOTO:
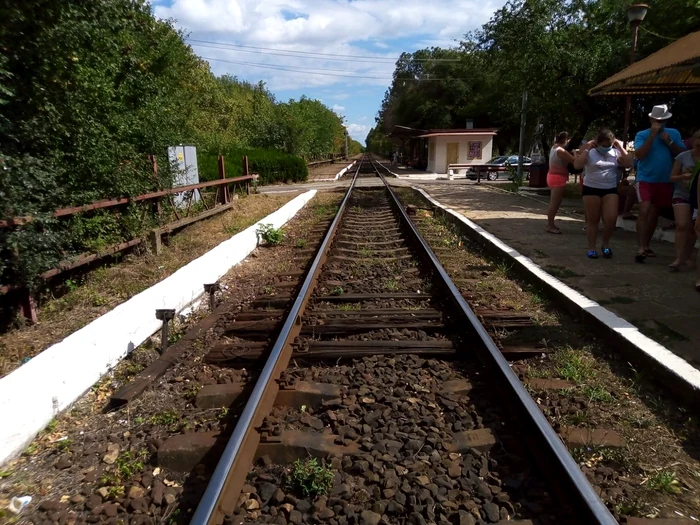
(269, 235)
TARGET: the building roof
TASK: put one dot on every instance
(459, 132)
(405, 131)
(675, 69)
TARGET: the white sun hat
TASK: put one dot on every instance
(660, 112)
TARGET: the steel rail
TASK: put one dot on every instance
(555, 459)
(209, 505)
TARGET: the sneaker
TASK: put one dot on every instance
(607, 253)
(592, 254)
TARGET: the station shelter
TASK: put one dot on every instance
(434, 150)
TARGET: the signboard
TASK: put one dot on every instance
(474, 151)
(183, 161)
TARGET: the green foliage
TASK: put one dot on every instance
(555, 51)
(270, 235)
(89, 89)
(311, 478)
(273, 166)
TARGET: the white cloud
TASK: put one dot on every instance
(358, 131)
(337, 108)
(320, 26)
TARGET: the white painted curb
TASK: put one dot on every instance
(344, 171)
(676, 365)
(32, 395)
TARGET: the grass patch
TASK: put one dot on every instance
(572, 365)
(540, 254)
(597, 394)
(392, 284)
(349, 307)
(338, 290)
(311, 478)
(165, 418)
(664, 481)
(270, 235)
(561, 272)
(595, 455)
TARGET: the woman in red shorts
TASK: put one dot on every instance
(558, 176)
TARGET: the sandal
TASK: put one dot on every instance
(592, 254)
(554, 230)
(649, 253)
(607, 253)
(673, 268)
(640, 257)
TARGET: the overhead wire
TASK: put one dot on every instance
(309, 54)
(310, 71)
(323, 72)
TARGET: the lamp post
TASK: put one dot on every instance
(635, 15)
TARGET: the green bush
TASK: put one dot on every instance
(272, 166)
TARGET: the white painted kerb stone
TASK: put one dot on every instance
(32, 395)
(662, 355)
(343, 171)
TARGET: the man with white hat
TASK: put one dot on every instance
(655, 148)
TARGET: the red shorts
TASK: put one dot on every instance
(554, 180)
(659, 194)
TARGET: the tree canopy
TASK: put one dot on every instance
(88, 89)
(555, 51)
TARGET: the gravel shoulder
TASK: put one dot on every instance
(655, 472)
(93, 465)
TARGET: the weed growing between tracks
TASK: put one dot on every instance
(656, 471)
(100, 291)
(91, 463)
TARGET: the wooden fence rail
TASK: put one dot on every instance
(221, 203)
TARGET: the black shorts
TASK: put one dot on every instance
(597, 192)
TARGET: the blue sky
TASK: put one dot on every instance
(341, 52)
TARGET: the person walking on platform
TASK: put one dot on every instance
(602, 159)
(557, 177)
(655, 148)
(684, 176)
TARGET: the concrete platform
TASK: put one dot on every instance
(663, 305)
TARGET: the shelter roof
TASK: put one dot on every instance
(675, 69)
(459, 132)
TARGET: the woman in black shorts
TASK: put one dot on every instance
(602, 159)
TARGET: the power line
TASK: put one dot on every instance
(312, 54)
(322, 72)
(295, 70)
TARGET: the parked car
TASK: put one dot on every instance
(500, 162)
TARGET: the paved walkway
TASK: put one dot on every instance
(662, 305)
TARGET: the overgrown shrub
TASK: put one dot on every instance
(272, 166)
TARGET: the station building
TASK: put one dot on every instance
(434, 150)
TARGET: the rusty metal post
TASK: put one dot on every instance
(156, 208)
(245, 166)
(222, 175)
(211, 289)
(628, 98)
(165, 315)
(27, 306)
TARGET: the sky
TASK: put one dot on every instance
(341, 52)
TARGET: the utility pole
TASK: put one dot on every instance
(521, 150)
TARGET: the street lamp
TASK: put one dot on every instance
(635, 14)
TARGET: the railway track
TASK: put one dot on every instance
(384, 374)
